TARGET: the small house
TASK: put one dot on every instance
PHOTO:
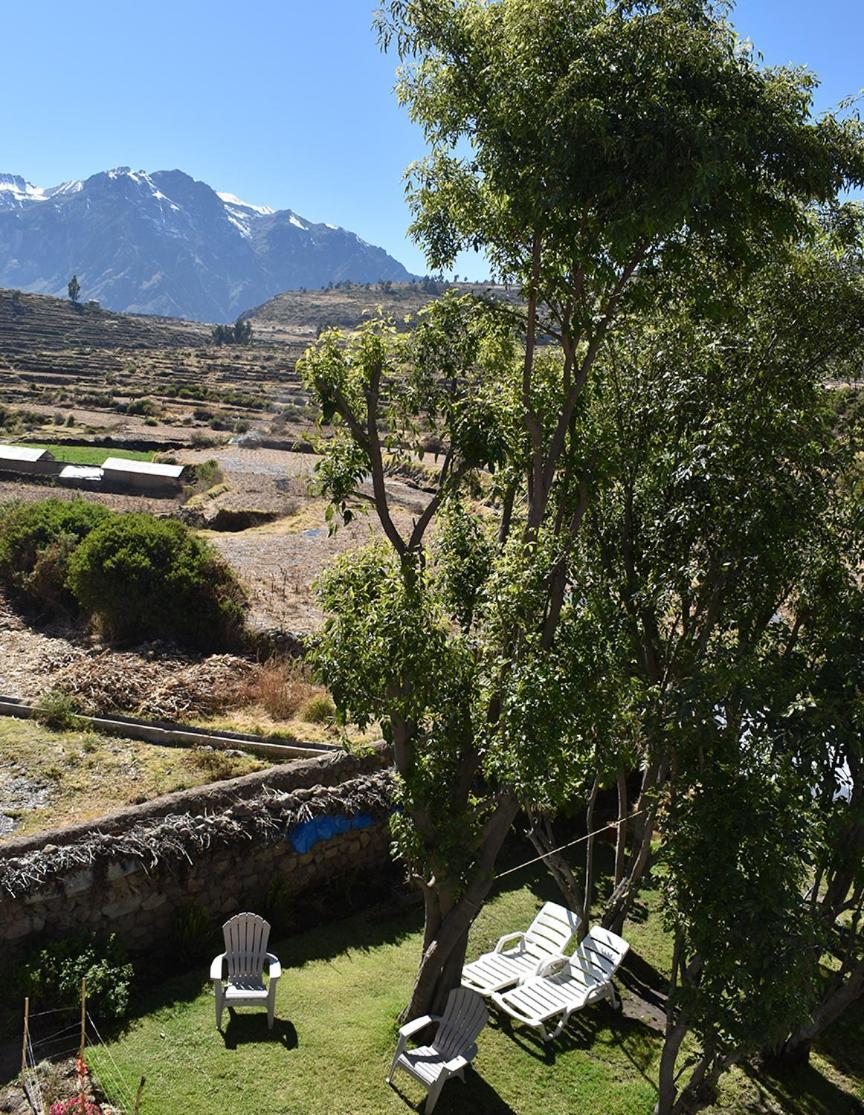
(142, 477)
(25, 460)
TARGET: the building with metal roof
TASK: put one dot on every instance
(26, 459)
(142, 476)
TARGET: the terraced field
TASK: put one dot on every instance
(157, 379)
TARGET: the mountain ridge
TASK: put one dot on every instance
(165, 243)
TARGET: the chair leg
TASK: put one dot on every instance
(220, 1002)
(434, 1093)
(565, 1018)
(400, 1049)
(271, 1007)
(615, 997)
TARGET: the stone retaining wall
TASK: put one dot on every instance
(138, 898)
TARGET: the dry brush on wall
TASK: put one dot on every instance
(220, 849)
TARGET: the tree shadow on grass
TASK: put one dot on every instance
(475, 1095)
(636, 1040)
(842, 1044)
(803, 1090)
(247, 1029)
(383, 924)
(647, 985)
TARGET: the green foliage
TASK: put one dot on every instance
(193, 935)
(10, 420)
(146, 577)
(51, 974)
(603, 128)
(56, 710)
(37, 541)
(143, 406)
(318, 710)
(240, 333)
(74, 289)
(738, 853)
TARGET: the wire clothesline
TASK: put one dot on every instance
(564, 847)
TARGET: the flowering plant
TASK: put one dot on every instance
(80, 1105)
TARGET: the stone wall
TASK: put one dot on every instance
(219, 848)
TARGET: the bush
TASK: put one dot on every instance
(51, 974)
(37, 541)
(145, 577)
(143, 406)
(56, 710)
(318, 710)
(193, 934)
(281, 688)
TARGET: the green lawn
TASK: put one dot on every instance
(89, 454)
(343, 986)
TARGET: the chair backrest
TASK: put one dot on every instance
(553, 929)
(464, 1017)
(246, 937)
(601, 952)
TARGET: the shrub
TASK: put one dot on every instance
(280, 688)
(318, 710)
(146, 577)
(143, 406)
(37, 541)
(51, 974)
(192, 933)
(56, 709)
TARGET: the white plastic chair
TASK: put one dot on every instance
(566, 984)
(450, 1051)
(246, 937)
(518, 955)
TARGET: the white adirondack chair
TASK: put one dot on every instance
(518, 955)
(246, 937)
(450, 1051)
(566, 984)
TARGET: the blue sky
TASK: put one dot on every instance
(283, 102)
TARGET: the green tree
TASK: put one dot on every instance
(718, 453)
(606, 145)
(74, 289)
(743, 966)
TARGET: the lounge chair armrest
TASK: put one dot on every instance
(275, 966)
(216, 966)
(411, 1028)
(551, 965)
(508, 940)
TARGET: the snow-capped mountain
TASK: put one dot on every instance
(163, 243)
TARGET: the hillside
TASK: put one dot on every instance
(301, 313)
(164, 243)
(117, 373)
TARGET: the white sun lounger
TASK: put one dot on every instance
(518, 955)
(566, 984)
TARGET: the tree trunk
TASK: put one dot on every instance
(641, 830)
(843, 993)
(542, 837)
(589, 861)
(449, 918)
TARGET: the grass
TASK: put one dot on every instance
(82, 774)
(89, 454)
(342, 988)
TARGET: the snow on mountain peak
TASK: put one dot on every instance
(15, 189)
(233, 200)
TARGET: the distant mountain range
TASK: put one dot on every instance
(163, 243)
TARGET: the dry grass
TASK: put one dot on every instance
(50, 778)
(281, 687)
